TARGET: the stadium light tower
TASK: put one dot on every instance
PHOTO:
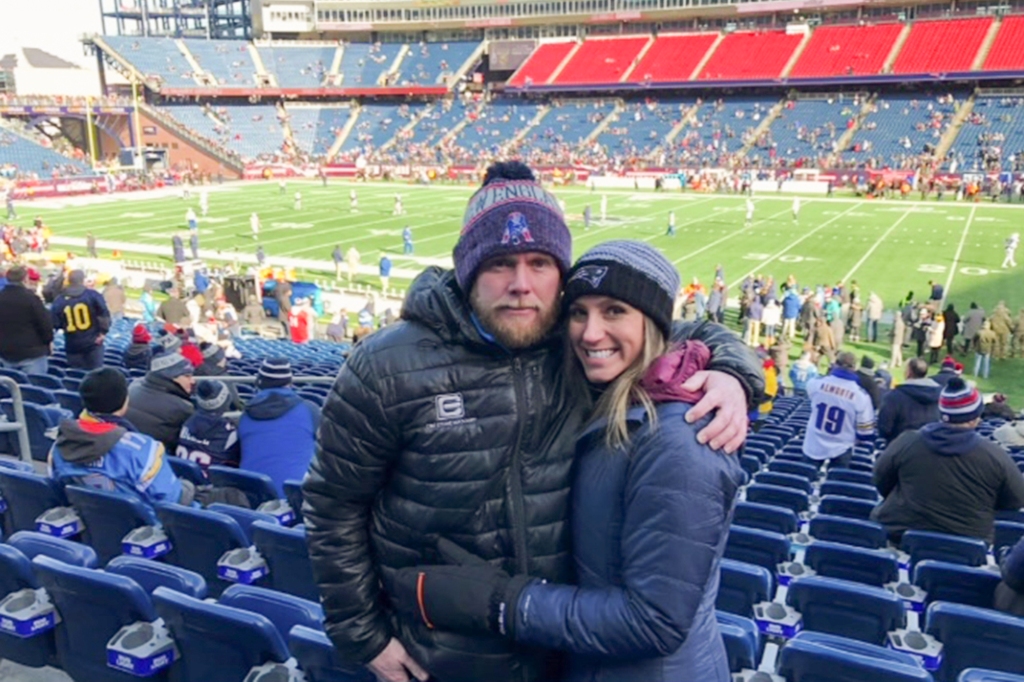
(177, 18)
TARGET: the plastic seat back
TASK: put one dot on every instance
(954, 549)
(849, 476)
(244, 517)
(759, 547)
(1007, 534)
(28, 495)
(151, 574)
(784, 480)
(287, 557)
(217, 642)
(93, 606)
(868, 566)
(45, 381)
(975, 638)
(258, 488)
(808, 471)
(33, 544)
(742, 641)
(846, 609)
(979, 675)
(108, 517)
(855, 532)
(796, 500)
(319, 659)
(816, 657)
(283, 610)
(187, 470)
(854, 490)
(741, 586)
(766, 517)
(956, 583)
(850, 507)
(16, 573)
(200, 537)
(70, 401)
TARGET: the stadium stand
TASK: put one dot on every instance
(297, 66)
(1007, 51)
(364, 64)
(672, 58)
(846, 51)
(992, 135)
(439, 120)
(899, 129)
(750, 55)
(31, 157)
(498, 122)
(567, 126)
(541, 64)
(433, 64)
(641, 128)
(601, 60)
(941, 46)
(228, 61)
(157, 58)
(378, 124)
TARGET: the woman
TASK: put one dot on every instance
(651, 505)
(936, 337)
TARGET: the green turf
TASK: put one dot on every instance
(890, 247)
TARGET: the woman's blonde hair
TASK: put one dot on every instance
(623, 392)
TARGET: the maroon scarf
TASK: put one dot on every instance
(665, 377)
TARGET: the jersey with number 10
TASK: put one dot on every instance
(841, 414)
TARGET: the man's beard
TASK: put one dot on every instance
(516, 336)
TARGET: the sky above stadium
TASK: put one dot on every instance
(51, 25)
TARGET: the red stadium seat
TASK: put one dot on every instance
(750, 55)
(541, 64)
(1007, 51)
(846, 51)
(942, 46)
(601, 60)
(672, 59)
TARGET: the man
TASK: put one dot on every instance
(1002, 325)
(352, 259)
(298, 201)
(277, 428)
(866, 380)
(254, 225)
(385, 272)
(947, 370)
(791, 304)
(1012, 242)
(191, 220)
(671, 224)
(101, 450)
(898, 333)
(27, 326)
(841, 414)
(193, 245)
(261, 256)
(208, 437)
(399, 209)
(178, 248)
(750, 213)
(910, 405)
(115, 298)
(173, 310)
(353, 201)
(90, 245)
(944, 477)
(875, 309)
(803, 370)
(82, 314)
(161, 400)
(283, 296)
(796, 210)
(985, 342)
(937, 294)
(338, 260)
(407, 247)
(471, 437)
(204, 201)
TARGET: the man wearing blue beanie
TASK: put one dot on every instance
(456, 423)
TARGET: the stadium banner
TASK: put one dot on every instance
(254, 94)
(55, 187)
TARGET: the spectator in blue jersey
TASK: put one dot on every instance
(841, 414)
(278, 428)
(208, 437)
(407, 247)
(802, 371)
(102, 450)
(82, 314)
(148, 304)
(139, 354)
(385, 271)
(791, 305)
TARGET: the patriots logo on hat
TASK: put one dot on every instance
(517, 230)
(591, 274)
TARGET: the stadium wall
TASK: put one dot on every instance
(179, 150)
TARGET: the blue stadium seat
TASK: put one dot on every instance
(258, 488)
(849, 476)
(37, 395)
(782, 480)
(742, 585)
(288, 559)
(200, 537)
(71, 383)
(28, 495)
(742, 641)
(108, 517)
(283, 610)
(855, 490)
(16, 574)
(759, 547)
(217, 642)
(70, 401)
(847, 609)
(789, 498)
(188, 470)
(33, 544)
(921, 545)
(750, 464)
(808, 471)
(979, 675)
(151, 574)
(855, 532)
(39, 421)
(766, 517)
(975, 638)
(856, 564)
(850, 507)
(94, 606)
(1007, 534)
(16, 374)
(244, 517)
(319, 659)
(1012, 515)
(819, 657)
(50, 383)
(956, 583)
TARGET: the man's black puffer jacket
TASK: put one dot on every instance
(432, 431)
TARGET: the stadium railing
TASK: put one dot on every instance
(19, 425)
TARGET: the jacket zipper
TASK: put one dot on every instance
(515, 480)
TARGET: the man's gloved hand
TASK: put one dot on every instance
(473, 597)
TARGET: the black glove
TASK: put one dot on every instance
(473, 596)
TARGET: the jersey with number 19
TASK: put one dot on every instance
(841, 414)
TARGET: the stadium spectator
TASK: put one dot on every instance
(283, 296)
(803, 370)
(866, 380)
(208, 437)
(944, 477)
(139, 354)
(187, 347)
(1002, 325)
(643, 478)
(102, 450)
(27, 326)
(998, 408)
(910, 405)
(972, 324)
(367, 476)
(952, 327)
(898, 333)
(149, 308)
(82, 314)
(115, 298)
(215, 364)
(173, 310)
(841, 414)
(1009, 595)
(946, 371)
(985, 342)
(277, 428)
(161, 400)
(874, 311)
(936, 337)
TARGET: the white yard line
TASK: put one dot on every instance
(874, 246)
(729, 236)
(959, 252)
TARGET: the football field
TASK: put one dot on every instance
(890, 247)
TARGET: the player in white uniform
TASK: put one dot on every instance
(204, 202)
(1012, 242)
(671, 224)
(750, 213)
(298, 201)
(604, 206)
(796, 209)
(399, 210)
(353, 201)
(841, 414)
(561, 205)
(254, 225)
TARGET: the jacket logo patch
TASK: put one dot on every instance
(449, 406)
